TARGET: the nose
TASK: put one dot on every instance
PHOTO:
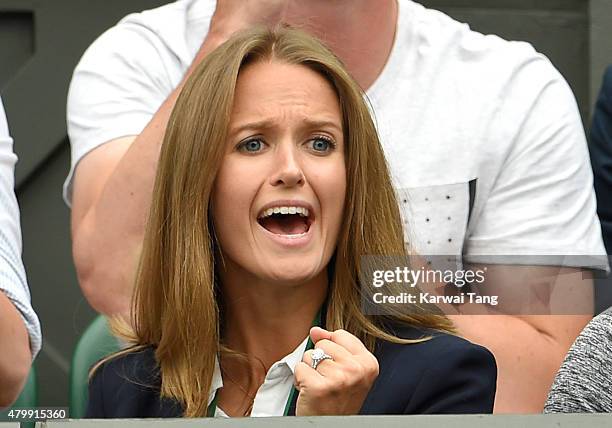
(287, 170)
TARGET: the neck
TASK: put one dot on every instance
(268, 320)
(360, 32)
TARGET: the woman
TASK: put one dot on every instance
(271, 185)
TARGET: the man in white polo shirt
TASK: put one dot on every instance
(483, 138)
(20, 338)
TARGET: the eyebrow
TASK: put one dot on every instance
(268, 124)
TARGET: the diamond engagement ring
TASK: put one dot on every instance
(319, 355)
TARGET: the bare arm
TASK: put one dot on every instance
(111, 199)
(113, 183)
(15, 357)
(529, 348)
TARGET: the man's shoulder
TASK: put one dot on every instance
(162, 30)
(162, 16)
(462, 46)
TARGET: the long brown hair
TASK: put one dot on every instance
(175, 304)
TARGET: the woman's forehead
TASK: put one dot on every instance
(279, 88)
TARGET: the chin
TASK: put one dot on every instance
(292, 273)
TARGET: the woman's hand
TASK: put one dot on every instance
(338, 386)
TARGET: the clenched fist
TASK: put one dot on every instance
(340, 385)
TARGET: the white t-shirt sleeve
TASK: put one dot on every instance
(542, 201)
(118, 85)
(12, 273)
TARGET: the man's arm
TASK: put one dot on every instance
(16, 356)
(541, 203)
(113, 183)
(526, 369)
(111, 198)
(539, 313)
(541, 310)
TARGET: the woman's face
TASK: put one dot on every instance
(279, 196)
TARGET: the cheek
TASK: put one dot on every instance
(329, 184)
(232, 200)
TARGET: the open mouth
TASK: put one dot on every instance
(286, 220)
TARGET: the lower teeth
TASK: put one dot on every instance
(297, 235)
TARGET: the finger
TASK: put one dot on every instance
(307, 358)
(359, 352)
(337, 352)
(307, 378)
(318, 333)
(325, 367)
(349, 342)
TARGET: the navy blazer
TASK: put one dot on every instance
(446, 374)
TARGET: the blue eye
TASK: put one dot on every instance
(322, 144)
(252, 146)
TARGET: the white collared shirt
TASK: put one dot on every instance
(272, 395)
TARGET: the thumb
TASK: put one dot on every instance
(318, 333)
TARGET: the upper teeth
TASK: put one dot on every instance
(285, 210)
